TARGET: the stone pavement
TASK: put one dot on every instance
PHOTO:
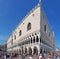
(27, 57)
(20, 57)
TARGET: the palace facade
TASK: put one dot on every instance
(33, 35)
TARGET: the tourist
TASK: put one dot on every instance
(10, 57)
(23, 56)
(30, 57)
(4, 56)
(37, 57)
(49, 58)
(43, 56)
(40, 56)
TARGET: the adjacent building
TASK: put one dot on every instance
(33, 35)
(3, 49)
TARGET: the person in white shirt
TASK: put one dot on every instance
(4, 56)
(30, 57)
(40, 56)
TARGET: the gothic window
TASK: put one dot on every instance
(44, 28)
(40, 40)
(14, 36)
(31, 39)
(28, 26)
(20, 32)
(37, 39)
(34, 39)
(12, 41)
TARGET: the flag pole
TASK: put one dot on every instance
(40, 22)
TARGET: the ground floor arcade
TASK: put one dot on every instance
(33, 44)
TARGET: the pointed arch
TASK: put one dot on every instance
(30, 51)
(35, 50)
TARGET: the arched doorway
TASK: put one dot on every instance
(30, 51)
(25, 50)
(35, 51)
(19, 51)
(41, 50)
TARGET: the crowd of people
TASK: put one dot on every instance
(24, 56)
(41, 56)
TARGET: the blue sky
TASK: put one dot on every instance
(13, 11)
